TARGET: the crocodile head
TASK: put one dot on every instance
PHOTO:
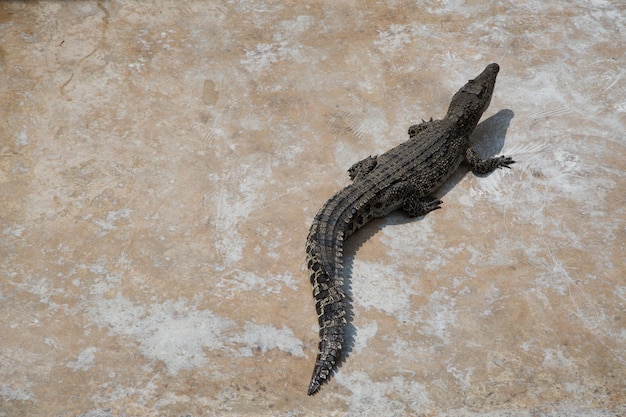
(470, 102)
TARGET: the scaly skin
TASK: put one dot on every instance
(402, 178)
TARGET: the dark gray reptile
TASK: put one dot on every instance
(404, 177)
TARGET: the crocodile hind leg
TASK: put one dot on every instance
(415, 206)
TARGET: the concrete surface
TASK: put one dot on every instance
(161, 162)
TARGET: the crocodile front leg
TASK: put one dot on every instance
(485, 166)
(415, 129)
(362, 167)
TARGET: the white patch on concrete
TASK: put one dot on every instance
(178, 334)
(437, 316)
(267, 54)
(558, 358)
(85, 360)
(463, 376)
(410, 242)
(15, 230)
(113, 216)
(10, 393)
(263, 338)
(556, 410)
(290, 29)
(234, 206)
(238, 281)
(396, 396)
(364, 333)
(395, 37)
(364, 122)
(103, 280)
(381, 287)
(21, 138)
(42, 287)
(171, 332)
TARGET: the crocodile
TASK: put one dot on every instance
(404, 177)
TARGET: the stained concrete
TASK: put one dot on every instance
(160, 163)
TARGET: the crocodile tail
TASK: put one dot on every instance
(330, 346)
(331, 311)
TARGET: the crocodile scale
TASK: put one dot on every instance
(404, 177)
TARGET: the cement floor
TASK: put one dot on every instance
(161, 162)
